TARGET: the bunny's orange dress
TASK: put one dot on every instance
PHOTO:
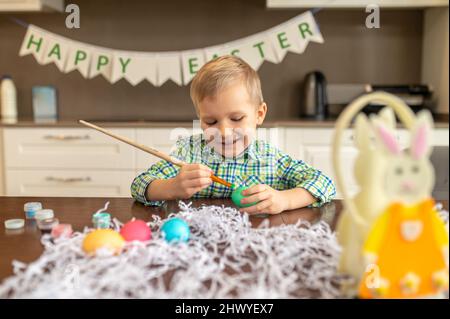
(408, 244)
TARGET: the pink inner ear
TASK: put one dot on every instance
(389, 140)
(419, 143)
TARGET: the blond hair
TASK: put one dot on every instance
(221, 72)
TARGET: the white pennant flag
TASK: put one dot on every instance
(169, 68)
(192, 61)
(214, 52)
(307, 30)
(79, 58)
(294, 35)
(101, 63)
(254, 50)
(134, 67)
(56, 51)
(34, 43)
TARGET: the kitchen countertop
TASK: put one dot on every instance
(441, 121)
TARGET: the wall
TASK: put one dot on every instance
(351, 53)
(435, 55)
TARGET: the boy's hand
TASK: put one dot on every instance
(270, 200)
(191, 179)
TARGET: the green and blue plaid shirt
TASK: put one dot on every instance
(260, 163)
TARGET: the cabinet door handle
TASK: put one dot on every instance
(67, 179)
(67, 137)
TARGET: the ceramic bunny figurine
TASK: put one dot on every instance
(407, 247)
(372, 166)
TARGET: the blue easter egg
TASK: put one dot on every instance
(176, 229)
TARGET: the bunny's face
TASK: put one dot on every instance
(409, 176)
(408, 179)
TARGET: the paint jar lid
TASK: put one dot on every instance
(32, 206)
(14, 223)
(44, 214)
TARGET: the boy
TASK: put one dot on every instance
(227, 96)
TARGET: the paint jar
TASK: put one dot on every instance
(62, 231)
(31, 208)
(44, 214)
(46, 225)
(101, 220)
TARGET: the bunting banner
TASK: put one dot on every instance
(159, 67)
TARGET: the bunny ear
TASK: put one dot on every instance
(362, 132)
(420, 141)
(386, 137)
(388, 117)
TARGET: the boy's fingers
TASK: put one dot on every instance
(256, 197)
(199, 182)
(254, 189)
(197, 174)
(261, 207)
(195, 190)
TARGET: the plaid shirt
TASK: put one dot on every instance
(260, 163)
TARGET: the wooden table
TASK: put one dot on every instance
(24, 245)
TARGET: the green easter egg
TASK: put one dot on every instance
(236, 197)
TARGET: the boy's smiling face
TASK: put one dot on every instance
(229, 119)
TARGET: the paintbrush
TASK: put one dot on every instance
(150, 150)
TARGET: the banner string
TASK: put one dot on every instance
(19, 22)
(25, 25)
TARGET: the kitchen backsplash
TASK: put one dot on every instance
(351, 53)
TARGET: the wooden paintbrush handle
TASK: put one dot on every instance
(149, 150)
(144, 148)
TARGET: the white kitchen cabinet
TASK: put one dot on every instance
(273, 135)
(285, 4)
(163, 139)
(314, 147)
(67, 148)
(70, 183)
(67, 162)
(31, 5)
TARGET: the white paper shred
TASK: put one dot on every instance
(225, 258)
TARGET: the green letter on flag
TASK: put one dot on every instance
(37, 43)
(283, 40)
(80, 56)
(102, 60)
(55, 50)
(124, 64)
(192, 65)
(304, 28)
(260, 49)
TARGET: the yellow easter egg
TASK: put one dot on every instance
(103, 238)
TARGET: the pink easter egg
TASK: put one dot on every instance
(136, 230)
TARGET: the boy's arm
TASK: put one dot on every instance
(164, 181)
(298, 197)
(307, 185)
(160, 173)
